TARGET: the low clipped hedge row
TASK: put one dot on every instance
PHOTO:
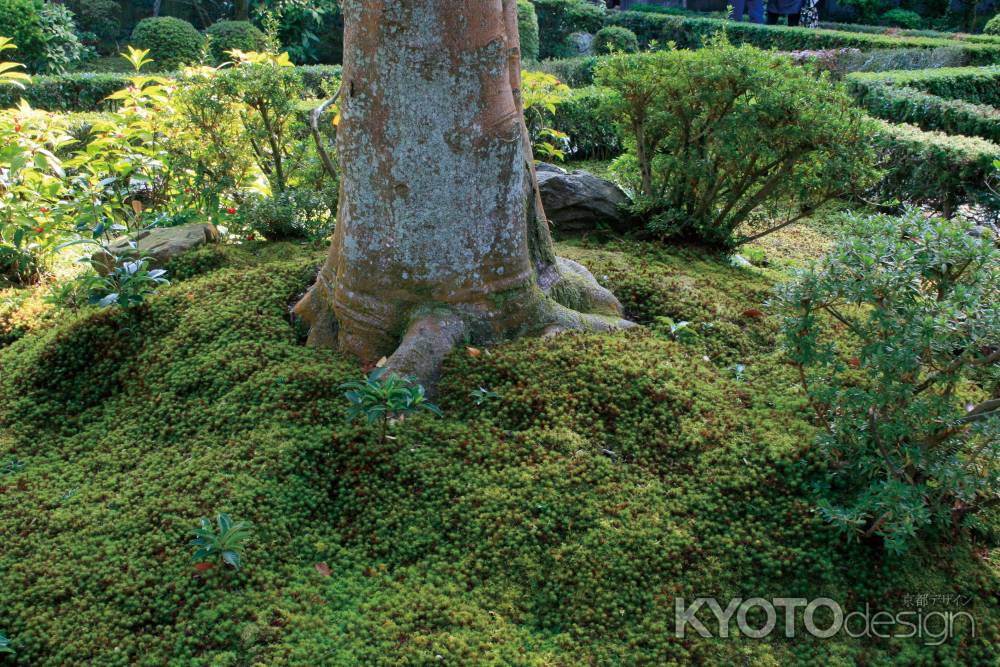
(88, 91)
(929, 112)
(934, 168)
(691, 32)
(896, 32)
(977, 85)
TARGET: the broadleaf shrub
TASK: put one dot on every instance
(717, 135)
(172, 42)
(21, 22)
(897, 338)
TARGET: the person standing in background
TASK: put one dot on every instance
(788, 8)
(754, 9)
(810, 14)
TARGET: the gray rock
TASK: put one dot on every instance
(583, 42)
(580, 201)
(161, 244)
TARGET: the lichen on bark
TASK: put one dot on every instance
(441, 234)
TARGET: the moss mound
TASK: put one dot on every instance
(554, 525)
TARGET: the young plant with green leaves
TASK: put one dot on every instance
(385, 397)
(10, 72)
(5, 647)
(541, 95)
(221, 543)
(896, 338)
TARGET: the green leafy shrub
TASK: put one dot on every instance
(615, 38)
(908, 388)
(220, 546)
(292, 214)
(527, 29)
(575, 72)
(587, 119)
(717, 134)
(21, 22)
(992, 26)
(385, 397)
(902, 18)
(63, 48)
(101, 19)
(557, 19)
(171, 41)
(933, 168)
(225, 36)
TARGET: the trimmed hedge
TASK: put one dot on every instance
(978, 85)
(688, 32)
(87, 91)
(172, 42)
(228, 35)
(587, 119)
(557, 19)
(574, 72)
(896, 32)
(527, 29)
(929, 112)
(935, 169)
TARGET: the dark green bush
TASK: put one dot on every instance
(292, 214)
(719, 134)
(172, 42)
(228, 35)
(20, 20)
(527, 29)
(557, 19)
(587, 117)
(902, 18)
(933, 168)
(693, 32)
(615, 38)
(992, 26)
(63, 48)
(100, 18)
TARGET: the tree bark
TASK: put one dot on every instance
(441, 236)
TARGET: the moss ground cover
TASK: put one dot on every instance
(554, 525)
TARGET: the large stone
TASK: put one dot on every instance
(160, 243)
(579, 201)
(582, 43)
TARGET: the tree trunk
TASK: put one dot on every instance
(440, 232)
(241, 10)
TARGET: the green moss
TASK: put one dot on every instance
(553, 525)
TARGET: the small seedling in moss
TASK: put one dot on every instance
(219, 545)
(382, 397)
(11, 466)
(482, 395)
(681, 332)
(5, 645)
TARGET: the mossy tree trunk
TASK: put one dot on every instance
(440, 235)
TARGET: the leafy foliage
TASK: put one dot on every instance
(5, 645)
(384, 396)
(615, 38)
(557, 19)
(224, 36)
(527, 29)
(63, 48)
(21, 23)
(717, 135)
(541, 95)
(222, 545)
(173, 42)
(896, 338)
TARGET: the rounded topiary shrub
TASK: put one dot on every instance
(171, 41)
(228, 35)
(615, 38)
(21, 21)
(902, 18)
(527, 28)
(992, 26)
